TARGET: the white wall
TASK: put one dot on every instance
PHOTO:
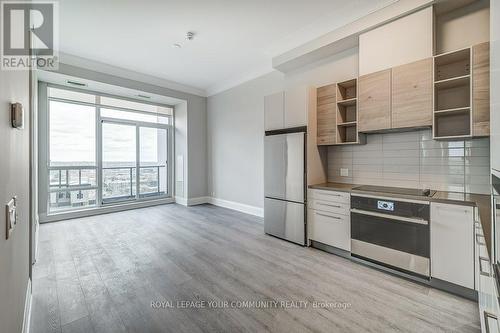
(181, 150)
(235, 141)
(14, 180)
(236, 127)
(196, 111)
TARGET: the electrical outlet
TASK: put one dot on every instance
(11, 216)
(344, 172)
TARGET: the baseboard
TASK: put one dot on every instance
(44, 218)
(27, 309)
(252, 210)
(198, 201)
(181, 201)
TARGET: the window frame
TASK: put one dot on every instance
(99, 204)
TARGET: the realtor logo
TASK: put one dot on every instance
(29, 35)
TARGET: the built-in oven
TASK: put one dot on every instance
(391, 232)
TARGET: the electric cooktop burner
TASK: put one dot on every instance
(396, 190)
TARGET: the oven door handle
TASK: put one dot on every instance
(391, 217)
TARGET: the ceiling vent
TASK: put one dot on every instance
(76, 83)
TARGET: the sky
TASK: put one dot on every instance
(73, 138)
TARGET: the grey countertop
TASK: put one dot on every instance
(481, 201)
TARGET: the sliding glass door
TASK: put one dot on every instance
(103, 151)
(119, 162)
(152, 161)
(133, 150)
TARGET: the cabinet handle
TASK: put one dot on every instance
(488, 315)
(325, 215)
(481, 271)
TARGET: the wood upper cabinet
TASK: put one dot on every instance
(481, 89)
(326, 115)
(412, 94)
(374, 94)
(274, 111)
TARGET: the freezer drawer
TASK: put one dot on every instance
(329, 228)
(285, 219)
(284, 166)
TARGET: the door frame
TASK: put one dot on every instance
(137, 125)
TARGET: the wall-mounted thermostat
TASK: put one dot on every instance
(17, 115)
(11, 216)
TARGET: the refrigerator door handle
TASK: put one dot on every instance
(286, 167)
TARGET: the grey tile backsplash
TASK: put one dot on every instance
(413, 159)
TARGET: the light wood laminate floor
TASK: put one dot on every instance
(101, 274)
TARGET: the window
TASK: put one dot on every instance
(104, 150)
(72, 134)
(72, 155)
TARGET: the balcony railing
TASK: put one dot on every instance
(118, 184)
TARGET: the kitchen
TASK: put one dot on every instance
(275, 166)
(396, 157)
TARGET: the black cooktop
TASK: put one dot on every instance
(396, 190)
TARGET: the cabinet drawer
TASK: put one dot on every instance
(330, 229)
(330, 196)
(328, 206)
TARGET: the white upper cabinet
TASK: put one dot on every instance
(403, 41)
(296, 107)
(274, 109)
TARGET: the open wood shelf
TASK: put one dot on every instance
(452, 125)
(347, 112)
(452, 65)
(347, 133)
(453, 82)
(454, 110)
(452, 95)
(347, 102)
(351, 123)
(346, 90)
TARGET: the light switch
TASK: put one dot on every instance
(11, 214)
(344, 172)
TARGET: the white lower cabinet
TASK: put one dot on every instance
(330, 229)
(486, 287)
(452, 243)
(328, 218)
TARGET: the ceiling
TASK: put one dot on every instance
(234, 39)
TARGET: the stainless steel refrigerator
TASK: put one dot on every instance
(284, 186)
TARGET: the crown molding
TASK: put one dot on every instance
(97, 66)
